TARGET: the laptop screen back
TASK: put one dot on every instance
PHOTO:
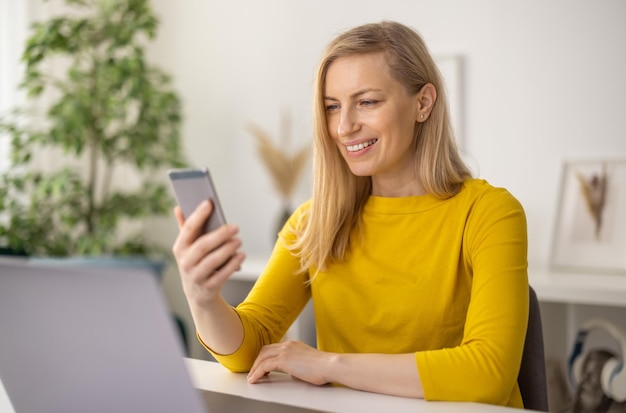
(79, 339)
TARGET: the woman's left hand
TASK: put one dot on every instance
(295, 358)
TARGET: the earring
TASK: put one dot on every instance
(422, 116)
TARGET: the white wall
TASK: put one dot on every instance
(544, 81)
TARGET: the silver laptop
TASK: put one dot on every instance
(79, 339)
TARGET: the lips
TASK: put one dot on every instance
(360, 146)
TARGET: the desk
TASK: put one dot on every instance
(281, 389)
(282, 394)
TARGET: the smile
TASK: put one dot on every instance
(362, 145)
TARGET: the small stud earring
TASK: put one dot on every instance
(422, 116)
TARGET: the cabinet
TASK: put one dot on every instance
(568, 300)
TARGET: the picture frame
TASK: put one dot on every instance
(590, 226)
(451, 69)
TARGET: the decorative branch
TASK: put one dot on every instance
(594, 191)
(285, 168)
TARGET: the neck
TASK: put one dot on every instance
(396, 188)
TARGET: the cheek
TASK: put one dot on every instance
(331, 125)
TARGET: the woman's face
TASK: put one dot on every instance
(372, 119)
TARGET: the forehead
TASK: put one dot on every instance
(358, 71)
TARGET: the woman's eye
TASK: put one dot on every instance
(368, 103)
(332, 107)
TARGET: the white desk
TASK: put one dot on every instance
(281, 394)
(281, 389)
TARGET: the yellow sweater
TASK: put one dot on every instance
(444, 279)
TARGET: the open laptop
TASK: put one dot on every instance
(80, 339)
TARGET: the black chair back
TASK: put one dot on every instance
(532, 375)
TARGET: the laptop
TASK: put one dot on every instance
(84, 339)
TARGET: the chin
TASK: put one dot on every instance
(358, 169)
(360, 172)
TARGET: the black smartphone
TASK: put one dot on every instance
(191, 187)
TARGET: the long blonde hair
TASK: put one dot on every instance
(323, 235)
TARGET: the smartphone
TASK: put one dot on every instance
(192, 187)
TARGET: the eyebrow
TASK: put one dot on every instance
(355, 94)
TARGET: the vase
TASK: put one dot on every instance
(281, 220)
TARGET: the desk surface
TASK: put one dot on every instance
(282, 389)
(281, 393)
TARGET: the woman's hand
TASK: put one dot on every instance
(205, 261)
(295, 358)
(394, 374)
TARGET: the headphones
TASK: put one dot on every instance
(613, 377)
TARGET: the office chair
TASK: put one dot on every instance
(532, 379)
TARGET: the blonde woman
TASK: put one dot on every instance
(417, 271)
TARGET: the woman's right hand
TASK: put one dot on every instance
(205, 261)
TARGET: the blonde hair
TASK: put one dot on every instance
(323, 235)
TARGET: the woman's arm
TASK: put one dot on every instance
(393, 374)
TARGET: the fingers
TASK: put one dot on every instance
(192, 227)
(180, 219)
(219, 276)
(264, 363)
(212, 259)
(294, 358)
(190, 230)
(205, 261)
(209, 252)
(288, 357)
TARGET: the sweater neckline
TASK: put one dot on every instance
(401, 205)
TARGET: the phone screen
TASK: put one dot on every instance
(191, 187)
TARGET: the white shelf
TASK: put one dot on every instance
(250, 269)
(579, 288)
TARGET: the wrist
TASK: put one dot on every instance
(333, 367)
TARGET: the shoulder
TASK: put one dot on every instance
(301, 211)
(490, 207)
(484, 196)
(297, 220)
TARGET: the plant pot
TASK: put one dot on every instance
(140, 262)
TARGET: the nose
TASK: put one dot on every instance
(348, 123)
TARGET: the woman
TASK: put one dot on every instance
(418, 272)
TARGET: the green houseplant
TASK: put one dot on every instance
(112, 122)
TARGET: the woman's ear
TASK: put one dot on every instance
(426, 98)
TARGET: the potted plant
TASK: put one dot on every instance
(111, 120)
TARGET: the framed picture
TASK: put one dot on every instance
(451, 68)
(590, 230)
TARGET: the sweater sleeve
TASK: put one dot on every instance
(273, 304)
(485, 366)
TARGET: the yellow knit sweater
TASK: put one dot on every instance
(444, 279)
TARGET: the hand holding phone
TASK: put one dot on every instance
(192, 187)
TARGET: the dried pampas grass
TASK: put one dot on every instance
(284, 167)
(594, 189)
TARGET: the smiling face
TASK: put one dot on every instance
(372, 119)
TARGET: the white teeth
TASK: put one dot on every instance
(358, 147)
